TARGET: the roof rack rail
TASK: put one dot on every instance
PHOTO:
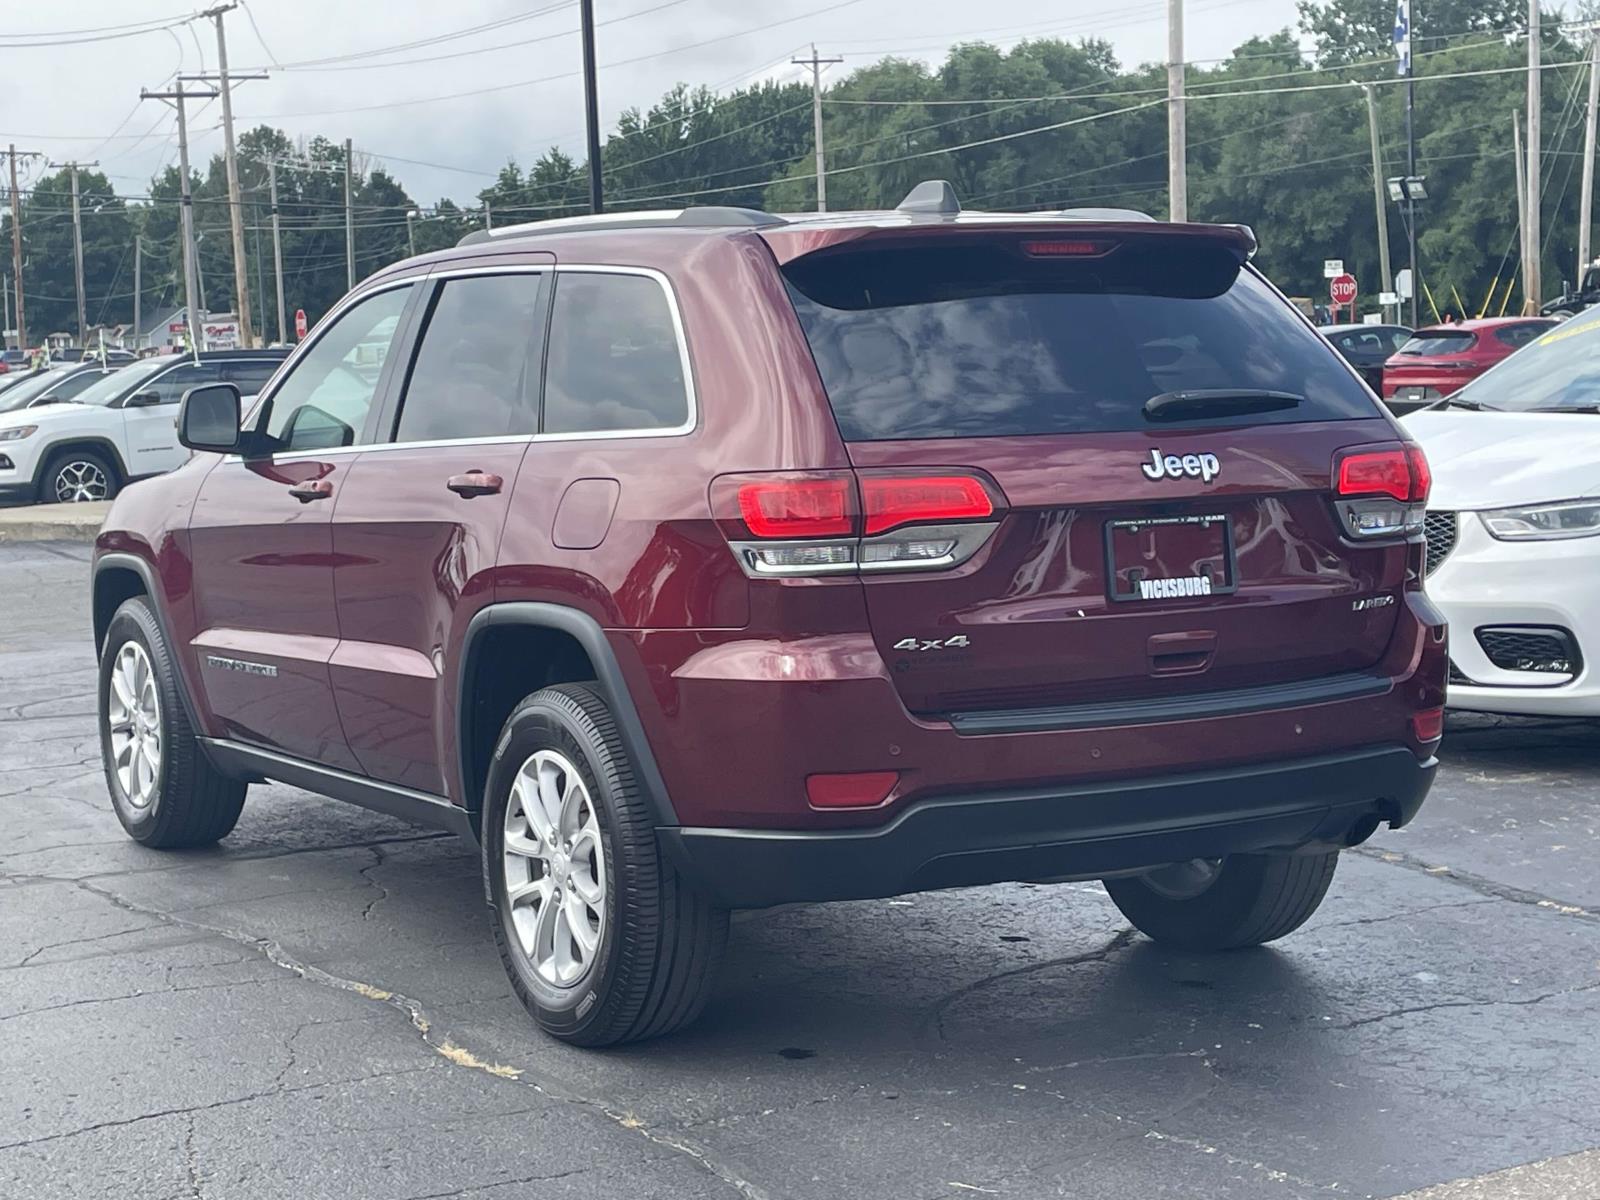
(1103, 214)
(707, 216)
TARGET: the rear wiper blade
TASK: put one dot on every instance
(1571, 408)
(1217, 402)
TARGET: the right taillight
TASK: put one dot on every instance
(1381, 491)
(835, 522)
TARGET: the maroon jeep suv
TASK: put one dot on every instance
(699, 560)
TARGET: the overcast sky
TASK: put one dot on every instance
(82, 100)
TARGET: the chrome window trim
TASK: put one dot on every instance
(691, 392)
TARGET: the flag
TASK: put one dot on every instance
(1402, 36)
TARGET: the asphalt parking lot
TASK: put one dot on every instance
(314, 1008)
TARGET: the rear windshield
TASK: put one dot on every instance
(981, 341)
(1440, 341)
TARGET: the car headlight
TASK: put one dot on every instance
(16, 433)
(1544, 522)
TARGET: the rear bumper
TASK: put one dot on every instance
(1083, 831)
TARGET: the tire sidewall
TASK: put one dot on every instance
(542, 725)
(47, 487)
(134, 622)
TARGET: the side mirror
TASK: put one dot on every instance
(208, 418)
(142, 400)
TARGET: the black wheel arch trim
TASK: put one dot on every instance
(101, 444)
(610, 683)
(123, 561)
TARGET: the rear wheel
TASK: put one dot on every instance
(604, 943)
(1224, 904)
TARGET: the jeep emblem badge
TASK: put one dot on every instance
(1203, 467)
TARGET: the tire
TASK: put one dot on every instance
(189, 802)
(77, 476)
(1253, 898)
(657, 942)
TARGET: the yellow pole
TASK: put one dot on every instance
(1489, 299)
(1506, 299)
(1461, 305)
(1428, 292)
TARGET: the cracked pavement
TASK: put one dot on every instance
(314, 1009)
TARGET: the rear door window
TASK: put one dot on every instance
(169, 388)
(1517, 336)
(250, 375)
(981, 341)
(476, 373)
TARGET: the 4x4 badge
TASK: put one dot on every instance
(1203, 467)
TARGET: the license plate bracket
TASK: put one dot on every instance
(1170, 558)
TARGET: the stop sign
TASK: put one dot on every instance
(1342, 289)
(300, 315)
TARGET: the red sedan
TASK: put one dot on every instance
(1442, 358)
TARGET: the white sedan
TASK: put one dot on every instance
(1513, 527)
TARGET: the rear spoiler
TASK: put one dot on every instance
(789, 242)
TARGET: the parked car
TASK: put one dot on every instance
(1513, 527)
(1367, 348)
(76, 354)
(114, 427)
(710, 559)
(1439, 359)
(20, 375)
(1575, 300)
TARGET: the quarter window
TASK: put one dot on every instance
(476, 372)
(325, 399)
(615, 361)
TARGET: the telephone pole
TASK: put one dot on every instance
(177, 97)
(1532, 291)
(277, 250)
(816, 64)
(77, 244)
(1586, 196)
(1522, 191)
(1177, 134)
(1377, 190)
(349, 224)
(5, 330)
(12, 153)
(591, 111)
(138, 288)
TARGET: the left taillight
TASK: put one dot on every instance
(1381, 491)
(837, 522)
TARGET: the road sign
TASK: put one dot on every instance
(1342, 289)
(1402, 284)
(1388, 299)
(1332, 268)
(300, 324)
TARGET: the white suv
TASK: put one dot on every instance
(62, 444)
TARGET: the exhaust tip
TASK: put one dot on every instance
(1364, 828)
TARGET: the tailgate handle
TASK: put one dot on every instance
(1186, 653)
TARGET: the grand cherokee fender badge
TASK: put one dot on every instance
(1203, 467)
(241, 664)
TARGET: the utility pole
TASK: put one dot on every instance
(225, 82)
(77, 244)
(591, 111)
(1532, 291)
(1177, 134)
(1403, 34)
(5, 330)
(177, 97)
(816, 64)
(1522, 189)
(349, 224)
(411, 233)
(488, 222)
(1377, 190)
(138, 287)
(277, 250)
(16, 242)
(1586, 196)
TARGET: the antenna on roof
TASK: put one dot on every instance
(931, 197)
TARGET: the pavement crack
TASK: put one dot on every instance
(1410, 1010)
(935, 1018)
(441, 1045)
(480, 1188)
(1477, 883)
(379, 857)
(191, 1165)
(1234, 1160)
(1406, 912)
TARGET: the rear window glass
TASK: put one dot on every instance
(981, 341)
(1436, 342)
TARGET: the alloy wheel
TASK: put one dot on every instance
(555, 869)
(134, 715)
(79, 480)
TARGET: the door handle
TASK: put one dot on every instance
(311, 489)
(475, 483)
